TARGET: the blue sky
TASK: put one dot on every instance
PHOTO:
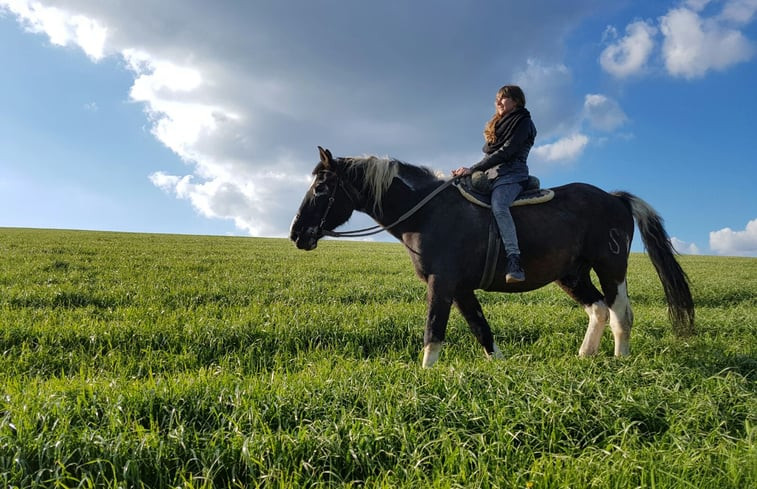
(186, 116)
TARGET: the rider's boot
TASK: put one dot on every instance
(515, 273)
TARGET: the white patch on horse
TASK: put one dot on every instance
(621, 320)
(496, 352)
(431, 354)
(598, 316)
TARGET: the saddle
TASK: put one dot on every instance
(476, 188)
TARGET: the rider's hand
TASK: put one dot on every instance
(461, 172)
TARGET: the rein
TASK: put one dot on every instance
(369, 231)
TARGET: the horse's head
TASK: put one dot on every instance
(327, 204)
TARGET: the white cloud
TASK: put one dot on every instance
(173, 101)
(249, 203)
(739, 11)
(693, 45)
(563, 150)
(603, 113)
(90, 36)
(166, 182)
(693, 41)
(628, 56)
(154, 75)
(683, 247)
(61, 27)
(736, 243)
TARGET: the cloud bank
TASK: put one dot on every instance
(244, 94)
(736, 243)
(683, 247)
(695, 40)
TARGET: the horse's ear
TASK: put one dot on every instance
(326, 157)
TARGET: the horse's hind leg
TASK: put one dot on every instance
(621, 315)
(471, 310)
(580, 288)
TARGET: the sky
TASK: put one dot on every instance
(196, 117)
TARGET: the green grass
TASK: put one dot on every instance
(131, 360)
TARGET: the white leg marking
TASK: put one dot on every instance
(598, 314)
(621, 320)
(431, 354)
(496, 354)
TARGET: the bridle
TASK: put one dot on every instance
(369, 231)
(332, 198)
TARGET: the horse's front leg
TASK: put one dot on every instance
(471, 310)
(439, 302)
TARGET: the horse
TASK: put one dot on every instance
(582, 228)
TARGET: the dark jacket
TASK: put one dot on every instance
(510, 150)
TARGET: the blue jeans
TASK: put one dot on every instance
(502, 196)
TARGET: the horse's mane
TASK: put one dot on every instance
(378, 174)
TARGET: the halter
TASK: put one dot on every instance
(370, 231)
(332, 198)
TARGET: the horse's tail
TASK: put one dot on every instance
(661, 252)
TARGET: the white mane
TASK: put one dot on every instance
(379, 173)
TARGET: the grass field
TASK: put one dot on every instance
(131, 360)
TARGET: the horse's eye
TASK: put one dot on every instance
(321, 184)
(320, 188)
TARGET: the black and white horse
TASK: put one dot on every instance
(581, 229)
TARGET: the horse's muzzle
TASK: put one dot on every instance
(305, 240)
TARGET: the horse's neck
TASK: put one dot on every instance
(401, 196)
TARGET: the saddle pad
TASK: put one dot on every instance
(528, 197)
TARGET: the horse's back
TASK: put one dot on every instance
(578, 211)
(582, 201)
(581, 223)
